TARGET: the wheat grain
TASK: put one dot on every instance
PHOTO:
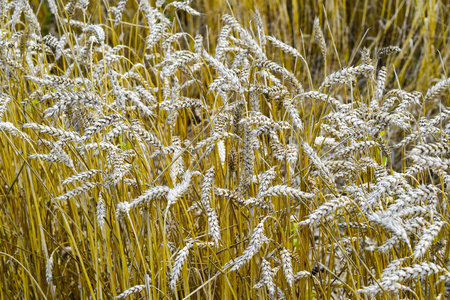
(259, 28)
(256, 241)
(284, 190)
(300, 275)
(81, 177)
(101, 211)
(323, 97)
(265, 181)
(388, 50)
(325, 210)
(10, 128)
(62, 135)
(285, 48)
(213, 220)
(392, 224)
(184, 6)
(180, 260)
(97, 31)
(267, 274)
(87, 186)
(436, 89)
(427, 238)
(49, 269)
(118, 11)
(155, 35)
(148, 137)
(132, 290)
(270, 65)
(319, 37)
(347, 75)
(180, 189)
(287, 267)
(365, 56)
(248, 41)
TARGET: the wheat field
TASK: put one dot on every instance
(224, 149)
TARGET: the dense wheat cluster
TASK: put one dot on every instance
(161, 163)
